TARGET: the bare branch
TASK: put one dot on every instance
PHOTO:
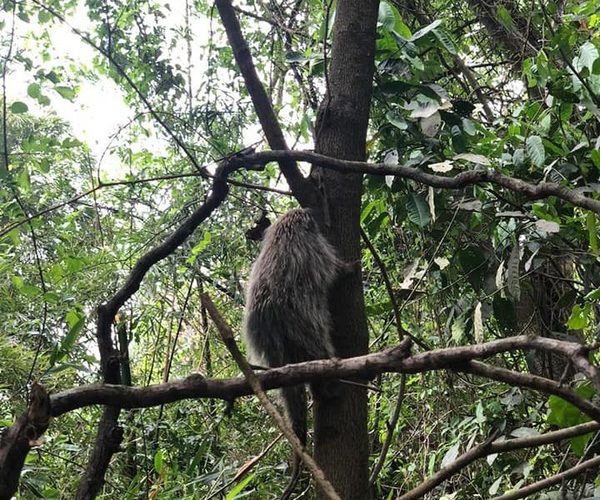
(303, 190)
(109, 435)
(550, 481)
(282, 422)
(395, 359)
(471, 177)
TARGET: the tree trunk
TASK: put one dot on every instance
(341, 444)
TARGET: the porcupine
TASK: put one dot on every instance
(287, 318)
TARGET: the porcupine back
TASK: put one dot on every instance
(287, 317)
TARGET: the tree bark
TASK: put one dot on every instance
(341, 441)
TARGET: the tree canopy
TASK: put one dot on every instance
(450, 147)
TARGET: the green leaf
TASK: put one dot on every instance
(74, 264)
(396, 120)
(479, 416)
(23, 180)
(419, 109)
(44, 16)
(579, 443)
(159, 461)
(592, 233)
(70, 142)
(580, 317)
(446, 40)
(238, 488)
(505, 17)
(593, 295)
(62, 367)
(76, 325)
(66, 92)
(423, 31)
(295, 57)
(469, 126)
(200, 246)
(18, 107)
(43, 165)
(430, 125)
(535, 150)
(51, 297)
(595, 155)
(417, 208)
(17, 281)
(588, 53)
(457, 330)
(493, 489)
(30, 291)
(564, 414)
(33, 90)
(450, 455)
(385, 16)
(401, 29)
(518, 157)
(459, 141)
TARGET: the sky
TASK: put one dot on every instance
(98, 111)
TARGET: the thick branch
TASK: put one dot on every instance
(109, 435)
(395, 359)
(471, 177)
(17, 440)
(306, 194)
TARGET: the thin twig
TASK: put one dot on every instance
(282, 422)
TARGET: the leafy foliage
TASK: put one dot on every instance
(450, 95)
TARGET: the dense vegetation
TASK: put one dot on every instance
(458, 86)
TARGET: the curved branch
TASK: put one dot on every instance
(550, 481)
(109, 435)
(395, 359)
(471, 177)
(303, 190)
(489, 448)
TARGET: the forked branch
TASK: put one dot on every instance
(461, 180)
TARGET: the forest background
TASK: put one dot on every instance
(455, 151)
